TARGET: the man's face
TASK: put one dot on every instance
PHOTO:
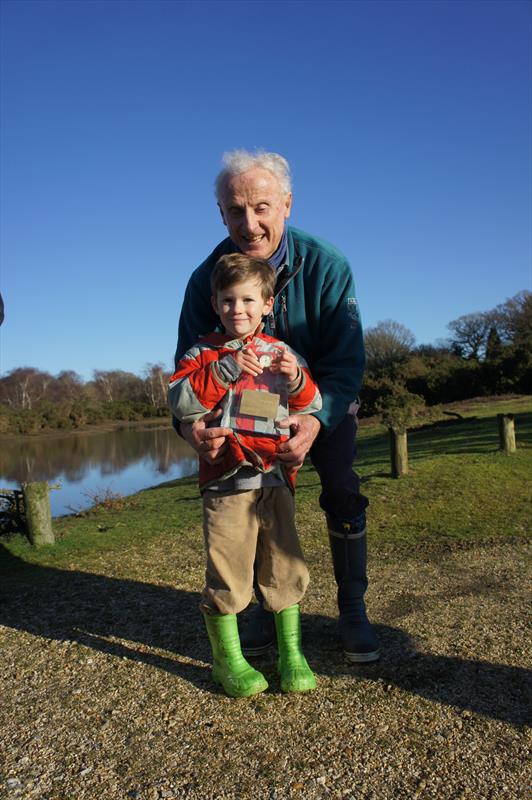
(254, 209)
(241, 308)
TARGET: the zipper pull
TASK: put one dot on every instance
(284, 311)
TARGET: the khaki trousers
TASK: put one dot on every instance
(239, 525)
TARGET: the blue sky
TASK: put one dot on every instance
(407, 125)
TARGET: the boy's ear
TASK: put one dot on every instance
(214, 304)
(268, 305)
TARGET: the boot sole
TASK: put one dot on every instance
(249, 693)
(363, 658)
(298, 690)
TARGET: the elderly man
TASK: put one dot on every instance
(316, 313)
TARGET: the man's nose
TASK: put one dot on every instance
(250, 220)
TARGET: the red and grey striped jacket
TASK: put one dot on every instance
(208, 377)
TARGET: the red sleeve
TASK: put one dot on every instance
(307, 398)
(196, 375)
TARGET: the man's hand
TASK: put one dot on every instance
(304, 429)
(209, 443)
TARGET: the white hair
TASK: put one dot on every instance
(235, 162)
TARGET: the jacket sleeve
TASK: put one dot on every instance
(198, 385)
(339, 361)
(303, 394)
(197, 315)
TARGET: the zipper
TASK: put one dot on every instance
(285, 317)
(271, 323)
(281, 293)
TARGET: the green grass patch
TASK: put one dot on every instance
(459, 488)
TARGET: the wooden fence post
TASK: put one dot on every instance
(38, 513)
(506, 432)
(398, 452)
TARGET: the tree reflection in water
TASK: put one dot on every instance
(89, 460)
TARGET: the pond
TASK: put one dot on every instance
(87, 465)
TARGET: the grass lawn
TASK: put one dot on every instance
(459, 488)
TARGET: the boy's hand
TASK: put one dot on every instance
(286, 363)
(248, 361)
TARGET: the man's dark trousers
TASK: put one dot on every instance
(332, 456)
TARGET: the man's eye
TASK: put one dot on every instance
(262, 208)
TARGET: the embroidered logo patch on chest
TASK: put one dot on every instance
(352, 312)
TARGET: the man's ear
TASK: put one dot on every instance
(222, 215)
(287, 205)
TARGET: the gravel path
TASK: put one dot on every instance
(105, 689)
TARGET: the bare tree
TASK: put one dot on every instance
(116, 384)
(387, 344)
(513, 319)
(23, 387)
(67, 385)
(469, 334)
(156, 384)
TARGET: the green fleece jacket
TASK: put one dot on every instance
(315, 312)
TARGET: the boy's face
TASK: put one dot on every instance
(241, 308)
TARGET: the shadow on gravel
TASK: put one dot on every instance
(493, 690)
(97, 611)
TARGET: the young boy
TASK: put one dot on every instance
(248, 504)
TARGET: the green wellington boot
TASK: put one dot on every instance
(229, 667)
(296, 675)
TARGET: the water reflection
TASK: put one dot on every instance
(123, 461)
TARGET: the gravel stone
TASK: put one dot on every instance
(106, 690)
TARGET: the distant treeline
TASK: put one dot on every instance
(32, 400)
(487, 353)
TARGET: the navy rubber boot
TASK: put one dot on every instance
(258, 635)
(349, 555)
